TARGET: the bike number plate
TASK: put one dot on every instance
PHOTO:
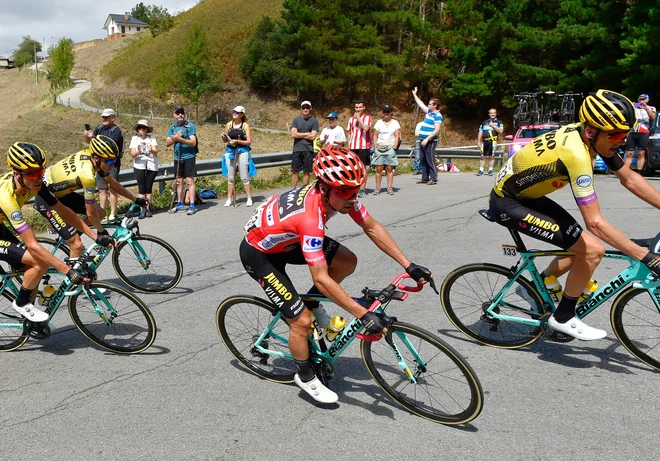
(509, 250)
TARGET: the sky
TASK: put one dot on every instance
(79, 20)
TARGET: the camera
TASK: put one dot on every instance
(144, 149)
(638, 105)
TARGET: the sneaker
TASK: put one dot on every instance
(35, 315)
(362, 194)
(422, 181)
(577, 329)
(249, 202)
(148, 213)
(143, 214)
(191, 210)
(490, 172)
(178, 207)
(228, 202)
(390, 191)
(316, 390)
(481, 173)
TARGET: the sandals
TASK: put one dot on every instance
(390, 191)
(376, 192)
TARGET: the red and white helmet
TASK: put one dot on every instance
(339, 167)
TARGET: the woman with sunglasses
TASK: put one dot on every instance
(290, 229)
(144, 150)
(17, 188)
(78, 171)
(553, 160)
(238, 137)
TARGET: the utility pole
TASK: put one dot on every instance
(36, 63)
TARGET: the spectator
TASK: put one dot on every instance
(489, 130)
(639, 136)
(144, 150)
(108, 128)
(417, 167)
(183, 136)
(428, 135)
(304, 129)
(333, 134)
(238, 137)
(388, 138)
(359, 127)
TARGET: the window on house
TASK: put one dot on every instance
(129, 28)
(138, 29)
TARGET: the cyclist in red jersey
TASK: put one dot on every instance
(290, 229)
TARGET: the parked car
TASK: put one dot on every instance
(525, 134)
(600, 166)
(653, 150)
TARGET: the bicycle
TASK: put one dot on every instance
(567, 111)
(109, 316)
(152, 265)
(521, 115)
(400, 362)
(499, 307)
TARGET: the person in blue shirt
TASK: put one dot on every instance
(183, 136)
(489, 130)
(428, 135)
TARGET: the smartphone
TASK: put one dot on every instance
(87, 127)
(638, 105)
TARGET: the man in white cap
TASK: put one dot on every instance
(108, 128)
(304, 129)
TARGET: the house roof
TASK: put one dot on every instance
(120, 19)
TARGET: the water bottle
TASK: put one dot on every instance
(591, 287)
(554, 288)
(320, 319)
(334, 328)
(46, 293)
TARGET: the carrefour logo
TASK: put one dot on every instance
(311, 243)
(583, 180)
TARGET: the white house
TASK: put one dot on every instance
(6, 62)
(121, 25)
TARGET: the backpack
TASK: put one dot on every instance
(208, 193)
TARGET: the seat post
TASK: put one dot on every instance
(520, 245)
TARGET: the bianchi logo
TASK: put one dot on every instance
(584, 180)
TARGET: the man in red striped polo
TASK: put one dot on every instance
(359, 128)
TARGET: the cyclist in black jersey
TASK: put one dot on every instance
(563, 157)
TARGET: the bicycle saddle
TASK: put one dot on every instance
(486, 214)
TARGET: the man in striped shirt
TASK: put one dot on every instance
(359, 128)
(428, 134)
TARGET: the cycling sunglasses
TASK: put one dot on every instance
(109, 162)
(347, 194)
(617, 137)
(33, 175)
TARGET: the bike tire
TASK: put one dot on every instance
(12, 326)
(240, 321)
(636, 323)
(470, 289)
(133, 327)
(167, 273)
(450, 394)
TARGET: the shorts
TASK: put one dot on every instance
(269, 271)
(489, 149)
(364, 154)
(385, 158)
(185, 168)
(12, 249)
(637, 141)
(539, 218)
(100, 182)
(302, 161)
(74, 201)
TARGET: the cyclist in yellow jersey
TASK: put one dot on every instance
(78, 171)
(560, 158)
(16, 188)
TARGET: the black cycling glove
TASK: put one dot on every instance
(75, 277)
(104, 239)
(375, 323)
(418, 272)
(652, 260)
(141, 201)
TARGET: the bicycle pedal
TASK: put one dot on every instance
(554, 336)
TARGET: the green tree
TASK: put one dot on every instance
(25, 52)
(141, 12)
(160, 20)
(62, 60)
(194, 72)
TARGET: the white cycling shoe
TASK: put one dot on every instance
(316, 390)
(30, 312)
(577, 329)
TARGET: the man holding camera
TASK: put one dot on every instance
(639, 136)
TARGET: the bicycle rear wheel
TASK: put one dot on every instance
(636, 323)
(469, 291)
(12, 330)
(114, 319)
(148, 264)
(446, 389)
(240, 321)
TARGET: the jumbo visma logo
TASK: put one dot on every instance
(541, 223)
(277, 286)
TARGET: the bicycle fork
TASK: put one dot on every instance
(421, 366)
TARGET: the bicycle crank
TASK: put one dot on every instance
(555, 336)
(39, 330)
(323, 369)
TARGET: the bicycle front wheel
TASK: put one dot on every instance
(148, 264)
(445, 388)
(469, 291)
(12, 331)
(636, 323)
(113, 318)
(241, 320)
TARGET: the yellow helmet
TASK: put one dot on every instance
(26, 157)
(608, 111)
(104, 146)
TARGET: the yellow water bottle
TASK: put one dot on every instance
(334, 328)
(591, 287)
(46, 293)
(554, 288)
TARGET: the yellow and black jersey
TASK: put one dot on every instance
(72, 173)
(548, 163)
(11, 202)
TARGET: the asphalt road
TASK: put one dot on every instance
(187, 398)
